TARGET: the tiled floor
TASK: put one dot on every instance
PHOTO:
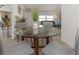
(54, 38)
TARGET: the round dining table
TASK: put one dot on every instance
(42, 33)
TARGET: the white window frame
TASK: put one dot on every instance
(46, 17)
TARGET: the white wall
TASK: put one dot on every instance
(13, 20)
(70, 23)
(45, 9)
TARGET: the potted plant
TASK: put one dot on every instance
(35, 17)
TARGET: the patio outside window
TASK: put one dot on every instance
(45, 17)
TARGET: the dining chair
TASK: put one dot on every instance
(21, 26)
(55, 48)
(47, 24)
(15, 48)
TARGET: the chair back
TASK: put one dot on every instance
(20, 25)
(47, 24)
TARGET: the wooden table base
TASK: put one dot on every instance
(36, 44)
(22, 38)
(47, 40)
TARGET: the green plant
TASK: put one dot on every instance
(35, 14)
(6, 21)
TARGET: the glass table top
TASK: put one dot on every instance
(42, 32)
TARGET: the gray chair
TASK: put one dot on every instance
(55, 48)
(47, 24)
(15, 48)
(20, 25)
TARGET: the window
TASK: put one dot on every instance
(45, 18)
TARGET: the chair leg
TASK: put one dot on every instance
(22, 38)
(31, 42)
(26, 39)
(50, 39)
(47, 40)
(17, 37)
(42, 41)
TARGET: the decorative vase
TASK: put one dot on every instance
(35, 28)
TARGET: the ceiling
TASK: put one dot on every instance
(44, 7)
